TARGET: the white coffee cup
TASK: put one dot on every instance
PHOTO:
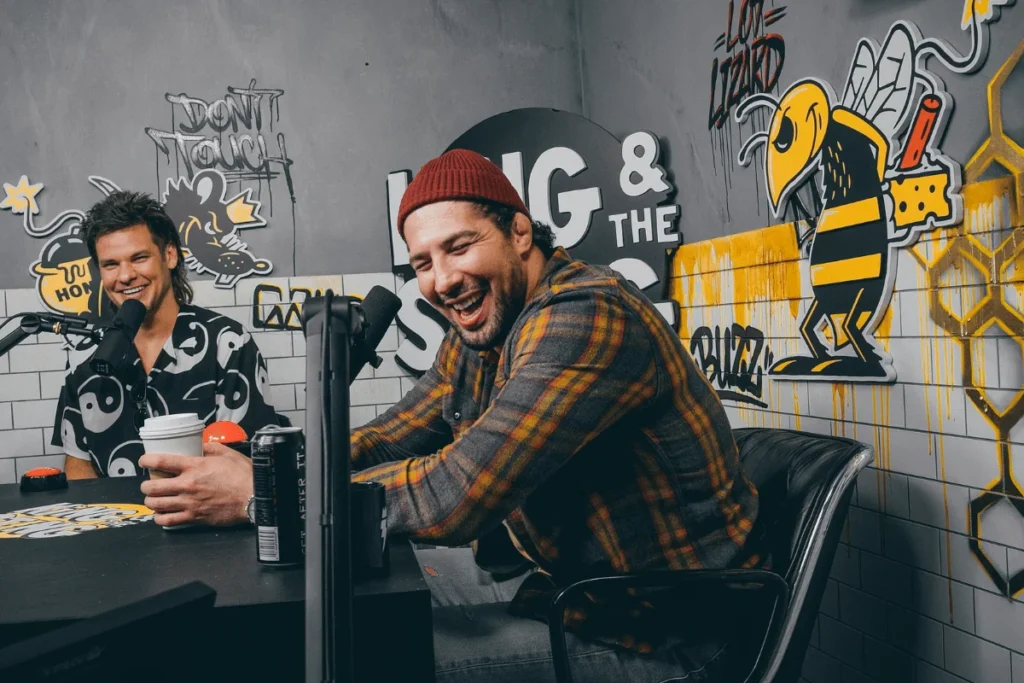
(179, 434)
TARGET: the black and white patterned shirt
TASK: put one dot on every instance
(209, 366)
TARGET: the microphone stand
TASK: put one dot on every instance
(331, 324)
(34, 323)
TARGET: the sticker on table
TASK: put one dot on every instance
(70, 519)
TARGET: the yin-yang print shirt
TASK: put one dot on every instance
(210, 366)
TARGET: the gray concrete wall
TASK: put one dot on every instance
(647, 64)
(370, 86)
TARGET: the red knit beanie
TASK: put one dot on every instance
(458, 174)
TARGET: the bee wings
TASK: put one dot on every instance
(880, 88)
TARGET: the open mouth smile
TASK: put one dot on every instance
(469, 311)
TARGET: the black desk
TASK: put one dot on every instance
(46, 582)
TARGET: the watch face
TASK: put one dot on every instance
(250, 510)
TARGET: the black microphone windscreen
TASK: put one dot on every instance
(131, 314)
(379, 308)
(118, 338)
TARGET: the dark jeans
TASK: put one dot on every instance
(475, 639)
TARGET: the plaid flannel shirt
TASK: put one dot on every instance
(591, 435)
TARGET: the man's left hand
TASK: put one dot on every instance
(209, 490)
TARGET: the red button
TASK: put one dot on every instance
(223, 431)
(42, 472)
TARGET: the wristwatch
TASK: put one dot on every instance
(250, 510)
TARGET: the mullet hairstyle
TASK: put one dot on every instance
(121, 210)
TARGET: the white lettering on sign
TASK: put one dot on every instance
(423, 334)
(512, 167)
(398, 181)
(643, 166)
(639, 176)
(579, 204)
(665, 215)
(641, 222)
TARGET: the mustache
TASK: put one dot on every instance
(462, 295)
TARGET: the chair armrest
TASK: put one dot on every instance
(769, 581)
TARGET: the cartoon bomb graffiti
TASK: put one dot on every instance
(875, 199)
(208, 225)
(67, 280)
(66, 277)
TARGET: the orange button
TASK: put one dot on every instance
(223, 432)
(42, 472)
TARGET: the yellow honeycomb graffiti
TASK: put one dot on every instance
(965, 246)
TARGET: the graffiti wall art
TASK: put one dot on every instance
(990, 243)
(749, 56)
(875, 154)
(209, 222)
(66, 277)
(233, 134)
(735, 361)
(273, 309)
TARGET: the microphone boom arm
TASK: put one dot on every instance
(34, 323)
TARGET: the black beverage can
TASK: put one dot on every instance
(279, 489)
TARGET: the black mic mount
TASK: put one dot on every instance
(56, 323)
(342, 334)
(332, 325)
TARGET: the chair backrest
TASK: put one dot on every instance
(804, 483)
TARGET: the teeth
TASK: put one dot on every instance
(469, 304)
(133, 290)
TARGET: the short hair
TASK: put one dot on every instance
(504, 216)
(121, 210)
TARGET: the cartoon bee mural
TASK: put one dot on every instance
(883, 183)
(208, 225)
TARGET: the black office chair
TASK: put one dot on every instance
(804, 483)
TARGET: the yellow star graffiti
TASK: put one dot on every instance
(983, 8)
(21, 197)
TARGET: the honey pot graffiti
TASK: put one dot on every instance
(66, 277)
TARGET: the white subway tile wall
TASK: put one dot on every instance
(910, 599)
(28, 396)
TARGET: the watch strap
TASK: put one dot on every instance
(250, 509)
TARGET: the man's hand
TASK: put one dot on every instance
(209, 490)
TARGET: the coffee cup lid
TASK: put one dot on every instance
(169, 425)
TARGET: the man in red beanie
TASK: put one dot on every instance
(563, 416)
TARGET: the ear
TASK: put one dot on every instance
(171, 256)
(522, 233)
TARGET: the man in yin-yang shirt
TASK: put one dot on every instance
(185, 359)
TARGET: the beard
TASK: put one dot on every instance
(507, 305)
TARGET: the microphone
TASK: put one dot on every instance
(379, 308)
(118, 338)
(58, 323)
